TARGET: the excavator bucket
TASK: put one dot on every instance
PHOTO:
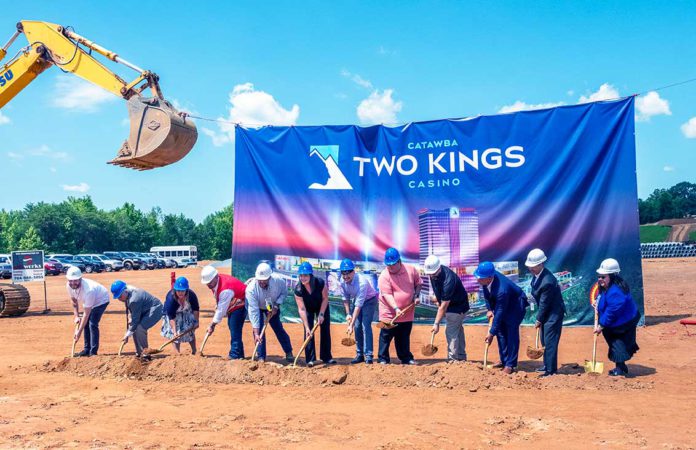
(159, 135)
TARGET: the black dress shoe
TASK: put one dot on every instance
(617, 373)
(330, 361)
(541, 369)
(83, 353)
(368, 361)
(358, 360)
(547, 374)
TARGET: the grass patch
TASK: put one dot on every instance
(692, 236)
(654, 233)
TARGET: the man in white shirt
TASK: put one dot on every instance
(264, 295)
(94, 298)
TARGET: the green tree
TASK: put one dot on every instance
(31, 240)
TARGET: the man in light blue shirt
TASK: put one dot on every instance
(356, 289)
(264, 295)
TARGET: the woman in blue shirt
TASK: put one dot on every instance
(181, 312)
(618, 316)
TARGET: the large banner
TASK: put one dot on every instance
(489, 188)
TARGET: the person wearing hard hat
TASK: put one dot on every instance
(507, 304)
(95, 299)
(357, 290)
(547, 293)
(399, 287)
(618, 316)
(312, 297)
(145, 311)
(453, 304)
(181, 312)
(264, 295)
(229, 295)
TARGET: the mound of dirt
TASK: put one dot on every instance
(461, 376)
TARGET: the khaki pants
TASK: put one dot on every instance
(454, 333)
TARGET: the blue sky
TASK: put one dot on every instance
(313, 63)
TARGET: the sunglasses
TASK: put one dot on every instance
(346, 272)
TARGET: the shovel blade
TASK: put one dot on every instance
(429, 350)
(152, 351)
(594, 367)
(348, 342)
(534, 353)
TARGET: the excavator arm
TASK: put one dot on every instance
(159, 134)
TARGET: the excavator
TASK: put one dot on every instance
(159, 134)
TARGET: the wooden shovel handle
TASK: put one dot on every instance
(120, 349)
(77, 326)
(536, 341)
(304, 344)
(432, 338)
(188, 330)
(263, 332)
(402, 312)
(205, 339)
(485, 351)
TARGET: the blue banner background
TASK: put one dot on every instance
(486, 188)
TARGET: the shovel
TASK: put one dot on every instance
(348, 341)
(535, 352)
(263, 332)
(594, 366)
(389, 325)
(430, 349)
(304, 344)
(120, 349)
(205, 339)
(485, 352)
(154, 351)
(72, 354)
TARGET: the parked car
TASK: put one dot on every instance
(5, 267)
(131, 261)
(170, 264)
(112, 264)
(161, 263)
(147, 262)
(53, 267)
(69, 262)
(91, 265)
(185, 262)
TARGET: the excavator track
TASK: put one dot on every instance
(14, 300)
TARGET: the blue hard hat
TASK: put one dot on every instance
(347, 265)
(391, 256)
(484, 270)
(117, 288)
(305, 269)
(181, 284)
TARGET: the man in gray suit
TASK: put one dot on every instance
(145, 310)
(547, 293)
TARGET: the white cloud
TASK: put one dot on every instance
(250, 107)
(82, 187)
(75, 94)
(52, 169)
(606, 92)
(651, 104)
(15, 156)
(357, 79)
(689, 128)
(382, 50)
(185, 108)
(46, 152)
(379, 108)
(570, 93)
(522, 106)
(4, 120)
(668, 168)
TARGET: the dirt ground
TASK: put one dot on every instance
(185, 401)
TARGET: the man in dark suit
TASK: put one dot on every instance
(547, 294)
(507, 304)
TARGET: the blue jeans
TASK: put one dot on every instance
(91, 330)
(235, 322)
(281, 334)
(363, 329)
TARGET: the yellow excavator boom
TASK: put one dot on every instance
(159, 134)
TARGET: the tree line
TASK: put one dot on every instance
(677, 202)
(76, 225)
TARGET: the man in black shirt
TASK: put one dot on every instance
(450, 294)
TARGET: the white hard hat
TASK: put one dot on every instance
(263, 272)
(609, 265)
(207, 274)
(431, 264)
(535, 257)
(73, 273)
